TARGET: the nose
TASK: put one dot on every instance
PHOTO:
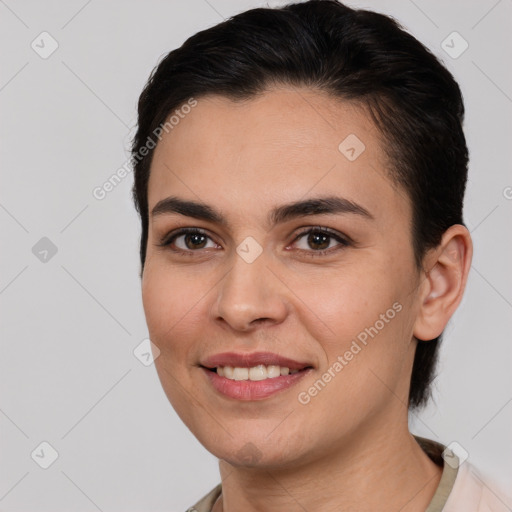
(250, 294)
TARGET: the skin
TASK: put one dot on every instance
(349, 448)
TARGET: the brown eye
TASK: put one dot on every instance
(320, 240)
(194, 240)
(187, 240)
(317, 240)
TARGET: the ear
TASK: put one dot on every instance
(443, 282)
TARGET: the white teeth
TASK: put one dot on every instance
(274, 371)
(228, 372)
(259, 372)
(240, 373)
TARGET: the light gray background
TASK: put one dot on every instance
(69, 325)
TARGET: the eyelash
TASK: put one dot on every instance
(344, 242)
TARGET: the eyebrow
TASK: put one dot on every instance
(329, 205)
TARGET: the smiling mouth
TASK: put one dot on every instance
(254, 373)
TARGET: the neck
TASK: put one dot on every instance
(379, 469)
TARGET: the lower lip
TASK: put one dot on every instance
(253, 389)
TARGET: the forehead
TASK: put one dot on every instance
(283, 145)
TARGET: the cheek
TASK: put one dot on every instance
(172, 305)
(171, 302)
(363, 317)
(343, 303)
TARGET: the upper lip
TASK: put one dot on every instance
(254, 359)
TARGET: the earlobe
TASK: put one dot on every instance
(444, 282)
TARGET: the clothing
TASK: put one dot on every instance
(461, 488)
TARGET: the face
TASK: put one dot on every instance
(299, 258)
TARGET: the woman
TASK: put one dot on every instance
(300, 176)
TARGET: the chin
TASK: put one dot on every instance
(253, 454)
